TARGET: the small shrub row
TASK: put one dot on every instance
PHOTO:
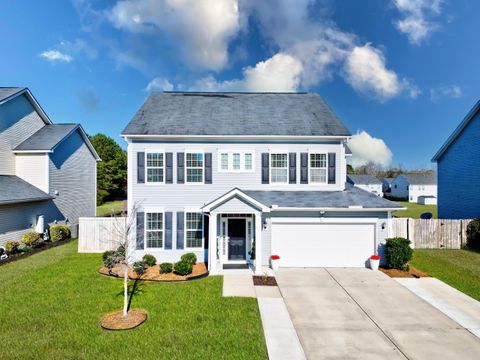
(183, 267)
(59, 232)
(166, 268)
(12, 247)
(31, 239)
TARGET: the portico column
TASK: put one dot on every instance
(258, 244)
(212, 243)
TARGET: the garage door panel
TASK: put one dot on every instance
(323, 245)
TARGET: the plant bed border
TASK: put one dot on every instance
(186, 278)
(45, 246)
(258, 281)
(412, 273)
(142, 312)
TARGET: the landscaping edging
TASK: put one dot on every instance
(116, 322)
(102, 271)
(411, 273)
(45, 246)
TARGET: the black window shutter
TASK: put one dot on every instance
(169, 168)
(180, 229)
(304, 168)
(140, 167)
(140, 231)
(206, 230)
(168, 231)
(292, 168)
(208, 168)
(265, 168)
(180, 168)
(331, 168)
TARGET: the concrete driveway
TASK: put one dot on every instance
(361, 314)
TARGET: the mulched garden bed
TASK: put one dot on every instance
(116, 320)
(153, 273)
(411, 273)
(43, 246)
(264, 281)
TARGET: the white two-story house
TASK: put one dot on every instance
(421, 188)
(366, 182)
(238, 177)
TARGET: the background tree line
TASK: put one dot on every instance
(379, 171)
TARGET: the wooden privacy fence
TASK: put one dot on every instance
(432, 233)
(97, 234)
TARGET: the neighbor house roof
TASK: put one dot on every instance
(363, 180)
(388, 180)
(421, 179)
(15, 190)
(9, 93)
(235, 114)
(466, 120)
(6, 92)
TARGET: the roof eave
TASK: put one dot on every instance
(335, 209)
(26, 200)
(279, 137)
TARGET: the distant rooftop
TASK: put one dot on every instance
(6, 92)
(421, 179)
(363, 180)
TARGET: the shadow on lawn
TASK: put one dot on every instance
(135, 288)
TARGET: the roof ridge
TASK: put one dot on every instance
(233, 92)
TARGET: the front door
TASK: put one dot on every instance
(236, 239)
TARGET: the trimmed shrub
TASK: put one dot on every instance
(166, 268)
(56, 233)
(108, 258)
(12, 246)
(189, 258)
(149, 260)
(139, 267)
(398, 253)
(31, 239)
(183, 267)
(473, 234)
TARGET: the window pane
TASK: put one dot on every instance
(318, 175)
(194, 160)
(155, 160)
(154, 239)
(279, 160)
(194, 227)
(194, 175)
(194, 239)
(154, 221)
(224, 161)
(194, 221)
(236, 161)
(318, 160)
(248, 161)
(279, 175)
(154, 175)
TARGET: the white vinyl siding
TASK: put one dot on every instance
(279, 168)
(317, 168)
(194, 168)
(154, 230)
(33, 168)
(155, 167)
(194, 230)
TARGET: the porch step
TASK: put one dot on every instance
(235, 266)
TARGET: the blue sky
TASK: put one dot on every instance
(405, 72)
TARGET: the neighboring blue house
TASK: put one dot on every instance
(458, 162)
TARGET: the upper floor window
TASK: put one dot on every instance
(236, 161)
(224, 161)
(194, 167)
(154, 230)
(155, 167)
(279, 168)
(194, 230)
(318, 169)
(248, 161)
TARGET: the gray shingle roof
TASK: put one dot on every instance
(15, 190)
(421, 179)
(288, 114)
(388, 180)
(363, 180)
(46, 138)
(6, 92)
(351, 196)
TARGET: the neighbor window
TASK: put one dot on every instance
(155, 167)
(224, 161)
(236, 161)
(248, 161)
(318, 168)
(194, 167)
(194, 230)
(154, 230)
(279, 168)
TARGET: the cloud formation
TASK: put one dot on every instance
(56, 56)
(159, 84)
(366, 148)
(452, 91)
(417, 17)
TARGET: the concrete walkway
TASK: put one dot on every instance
(453, 303)
(346, 313)
(238, 285)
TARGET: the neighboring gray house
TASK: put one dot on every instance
(366, 182)
(458, 164)
(45, 169)
(221, 174)
(411, 187)
(387, 185)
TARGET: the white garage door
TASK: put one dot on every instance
(323, 245)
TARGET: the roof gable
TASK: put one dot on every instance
(9, 93)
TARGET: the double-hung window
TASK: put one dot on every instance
(154, 230)
(155, 167)
(224, 161)
(236, 161)
(194, 230)
(194, 168)
(318, 169)
(248, 161)
(279, 168)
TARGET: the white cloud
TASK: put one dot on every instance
(201, 28)
(56, 56)
(159, 84)
(366, 148)
(417, 21)
(452, 91)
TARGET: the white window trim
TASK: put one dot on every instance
(154, 211)
(186, 230)
(270, 167)
(203, 167)
(230, 168)
(326, 168)
(146, 167)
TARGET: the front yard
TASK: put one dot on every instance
(51, 304)
(458, 268)
(414, 210)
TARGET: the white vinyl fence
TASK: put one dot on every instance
(432, 233)
(98, 234)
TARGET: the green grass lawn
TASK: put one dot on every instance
(458, 268)
(106, 208)
(51, 304)
(415, 210)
